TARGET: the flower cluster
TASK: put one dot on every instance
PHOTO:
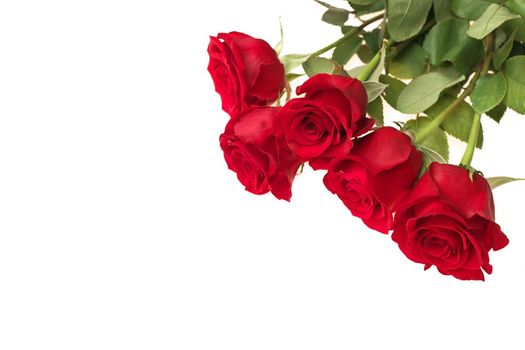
(439, 214)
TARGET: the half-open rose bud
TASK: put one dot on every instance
(381, 167)
(246, 71)
(262, 164)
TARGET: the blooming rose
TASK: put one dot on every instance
(448, 221)
(319, 126)
(250, 150)
(246, 71)
(380, 168)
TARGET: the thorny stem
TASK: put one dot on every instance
(476, 123)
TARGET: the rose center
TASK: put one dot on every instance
(311, 129)
(357, 198)
(438, 247)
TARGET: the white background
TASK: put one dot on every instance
(121, 227)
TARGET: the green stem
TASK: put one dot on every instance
(424, 133)
(370, 67)
(482, 71)
(348, 34)
(489, 53)
(472, 141)
(476, 123)
(374, 62)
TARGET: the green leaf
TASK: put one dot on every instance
(409, 63)
(459, 123)
(515, 75)
(365, 54)
(361, 10)
(503, 52)
(354, 72)
(425, 90)
(488, 93)
(393, 90)
(518, 6)
(471, 55)
(498, 181)
(375, 111)
(317, 65)
(373, 89)
(344, 51)
(497, 112)
(293, 61)
(448, 41)
(517, 25)
(437, 141)
(500, 37)
(494, 16)
(346, 29)
(469, 9)
(361, 2)
(334, 15)
(405, 18)
(429, 157)
(380, 67)
(454, 91)
(292, 76)
(432, 156)
(442, 9)
(373, 39)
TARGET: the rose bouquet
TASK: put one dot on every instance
(443, 62)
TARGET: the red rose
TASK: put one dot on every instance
(250, 150)
(380, 168)
(320, 126)
(448, 221)
(246, 71)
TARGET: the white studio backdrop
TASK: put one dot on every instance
(121, 227)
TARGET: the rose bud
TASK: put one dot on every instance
(246, 71)
(447, 220)
(320, 126)
(381, 167)
(262, 164)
